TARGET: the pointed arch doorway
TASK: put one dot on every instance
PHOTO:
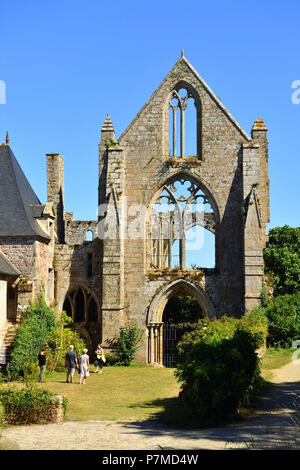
(162, 339)
(180, 312)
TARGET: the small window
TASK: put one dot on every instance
(89, 236)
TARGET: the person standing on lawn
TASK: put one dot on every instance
(42, 363)
(99, 359)
(84, 364)
(71, 363)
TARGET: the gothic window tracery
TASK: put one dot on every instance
(184, 123)
(182, 227)
(81, 306)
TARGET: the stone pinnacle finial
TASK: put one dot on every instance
(7, 138)
(107, 126)
(182, 53)
(259, 125)
(107, 131)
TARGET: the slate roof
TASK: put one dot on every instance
(17, 199)
(6, 267)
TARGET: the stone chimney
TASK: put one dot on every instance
(55, 191)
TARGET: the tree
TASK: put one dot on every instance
(38, 325)
(182, 309)
(282, 259)
(218, 366)
(128, 342)
(59, 341)
(283, 315)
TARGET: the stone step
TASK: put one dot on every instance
(7, 337)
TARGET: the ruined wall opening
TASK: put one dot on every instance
(180, 314)
(81, 305)
(89, 236)
(67, 307)
(190, 302)
(182, 227)
(184, 116)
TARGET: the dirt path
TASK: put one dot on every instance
(275, 425)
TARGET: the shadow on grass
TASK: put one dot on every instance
(173, 415)
(170, 413)
(273, 422)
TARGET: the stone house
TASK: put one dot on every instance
(183, 165)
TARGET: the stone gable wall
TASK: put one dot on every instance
(138, 167)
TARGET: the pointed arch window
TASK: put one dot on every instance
(184, 123)
(182, 227)
(80, 304)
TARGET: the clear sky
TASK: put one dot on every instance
(66, 64)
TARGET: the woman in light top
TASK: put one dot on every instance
(99, 361)
(84, 364)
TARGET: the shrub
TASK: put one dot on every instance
(127, 343)
(38, 325)
(59, 342)
(1, 416)
(111, 359)
(283, 314)
(219, 367)
(26, 405)
(282, 259)
(31, 371)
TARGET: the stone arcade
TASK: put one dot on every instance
(201, 169)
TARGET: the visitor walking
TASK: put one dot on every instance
(42, 363)
(100, 359)
(84, 364)
(71, 363)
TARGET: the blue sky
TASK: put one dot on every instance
(67, 64)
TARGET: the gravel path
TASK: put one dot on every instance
(275, 425)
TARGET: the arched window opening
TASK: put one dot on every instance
(184, 124)
(182, 228)
(85, 305)
(67, 307)
(79, 306)
(180, 314)
(89, 236)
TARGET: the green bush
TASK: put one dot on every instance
(219, 367)
(31, 371)
(2, 413)
(127, 343)
(111, 359)
(283, 315)
(59, 341)
(282, 259)
(38, 325)
(26, 405)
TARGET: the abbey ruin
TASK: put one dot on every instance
(182, 163)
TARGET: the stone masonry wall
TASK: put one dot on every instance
(142, 157)
(76, 231)
(34, 260)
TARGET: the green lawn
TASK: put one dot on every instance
(136, 393)
(275, 359)
(119, 393)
